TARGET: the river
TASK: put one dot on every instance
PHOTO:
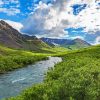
(12, 83)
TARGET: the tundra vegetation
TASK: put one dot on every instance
(11, 59)
(77, 77)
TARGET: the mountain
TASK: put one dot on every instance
(78, 43)
(68, 43)
(12, 38)
(59, 42)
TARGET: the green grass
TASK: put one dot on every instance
(11, 59)
(76, 78)
(76, 46)
(57, 50)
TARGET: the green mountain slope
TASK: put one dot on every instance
(76, 78)
(77, 44)
(67, 43)
(11, 59)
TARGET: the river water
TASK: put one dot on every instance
(12, 83)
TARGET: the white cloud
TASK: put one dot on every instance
(10, 10)
(16, 25)
(50, 20)
(10, 1)
(89, 19)
(80, 37)
(47, 21)
(1, 3)
(97, 41)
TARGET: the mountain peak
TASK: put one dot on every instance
(77, 39)
(4, 25)
(2, 21)
(12, 38)
(81, 41)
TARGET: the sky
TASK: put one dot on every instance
(68, 19)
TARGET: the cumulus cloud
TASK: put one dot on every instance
(50, 20)
(89, 19)
(16, 25)
(47, 20)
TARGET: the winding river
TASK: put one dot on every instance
(12, 83)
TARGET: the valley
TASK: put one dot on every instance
(75, 76)
(18, 80)
(17, 50)
(49, 50)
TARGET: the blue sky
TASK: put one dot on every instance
(54, 18)
(24, 7)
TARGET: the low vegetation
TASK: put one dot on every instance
(11, 59)
(76, 78)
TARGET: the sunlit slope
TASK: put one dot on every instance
(67, 43)
(76, 78)
(13, 58)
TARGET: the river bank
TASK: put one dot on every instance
(12, 83)
(12, 62)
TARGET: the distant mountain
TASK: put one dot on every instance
(59, 42)
(68, 43)
(12, 38)
(79, 43)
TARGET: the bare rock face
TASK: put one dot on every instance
(9, 36)
(12, 38)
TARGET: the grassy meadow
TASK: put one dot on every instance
(77, 77)
(11, 59)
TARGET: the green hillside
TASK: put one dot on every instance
(71, 44)
(78, 44)
(76, 78)
(11, 59)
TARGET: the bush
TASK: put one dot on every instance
(76, 78)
